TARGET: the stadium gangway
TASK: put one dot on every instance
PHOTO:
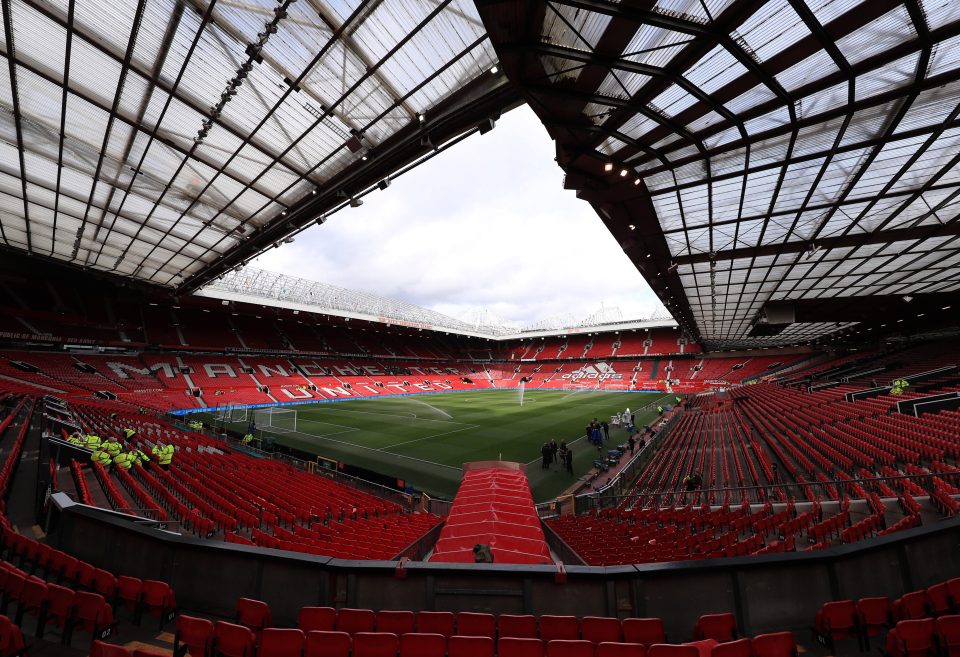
(793, 491)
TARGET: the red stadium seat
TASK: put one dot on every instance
(395, 622)
(234, 640)
(600, 629)
(911, 638)
(321, 643)
(939, 601)
(280, 642)
(519, 647)
(948, 635)
(423, 645)
(569, 648)
(435, 622)
(101, 649)
(553, 628)
(520, 627)
(775, 644)
(196, 634)
(32, 600)
(312, 619)
(91, 613)
(647, 631)
(474, 624)
(837, 620)
(470, 646)
(11, 638)
(374, 644)
(254, 614)
(876, 614)
(911, 606)
(670, 650)
(129, 590)
(353, 621)
(607, 649)
(60, 601)
(719, 627)
(158, 600)
(736, 648)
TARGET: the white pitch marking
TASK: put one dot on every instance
(417, 440)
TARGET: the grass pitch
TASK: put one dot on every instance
(425, 439)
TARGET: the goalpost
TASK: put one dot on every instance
(229, 413)
(592, 385)
(277, 420)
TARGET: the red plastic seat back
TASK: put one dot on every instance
(33, 595)
(569, 648)
(938, 597)
(607, 649)
(875, 614)
(737, 648)
(234, 640)
(277, 642)
(129, 590)
(395, 622)
(911, 606)
(669, 650)
(470, 646)
(519, 627)
(195, 633)
(948, 634)
(91, 611)
(254, 614)
(519, 647)
(916, 636)
(61, 604)
(775, 644)
(353, 621)
(719, 627)
(474, 624)
(601, 629)
(312, 619)
(11, 638)
(375, 644)
(416, 644)
(321, 643)
(101, 649)
(563, 628)
(435, 622)
(837, 619)
(647, 631)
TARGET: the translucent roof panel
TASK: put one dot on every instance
(151, 138)
(783, 144)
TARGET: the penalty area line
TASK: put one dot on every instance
(436, 435)
(374, 449)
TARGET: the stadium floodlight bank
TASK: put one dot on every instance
(276, 420)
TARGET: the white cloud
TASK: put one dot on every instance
(485, 224)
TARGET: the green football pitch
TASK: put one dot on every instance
(425, 439)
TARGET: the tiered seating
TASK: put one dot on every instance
(217, 492)
(346, 632)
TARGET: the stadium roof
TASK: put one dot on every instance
(258, 286)
(170, 140)
(749, 152)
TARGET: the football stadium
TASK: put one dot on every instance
(203, 453)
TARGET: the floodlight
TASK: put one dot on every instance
(355, 202)
(907, 298)
(608, 167)
(623, 173)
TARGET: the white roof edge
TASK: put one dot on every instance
(628, 325)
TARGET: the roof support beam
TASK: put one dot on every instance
(8, 34)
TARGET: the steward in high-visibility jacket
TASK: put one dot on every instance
(248, 439)
(76, 439)
(125, 460)
(660, 410)
(140, 457)
(129, 433)
(164, 454)
(102, 458)
(112, 448)
(92, 441)
(196, 425)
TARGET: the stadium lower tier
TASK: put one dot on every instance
(166, 381)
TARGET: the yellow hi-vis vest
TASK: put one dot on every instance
(112, 449)
(92, 442)
(101, 457)
(124, 461)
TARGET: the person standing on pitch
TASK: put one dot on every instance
(545, 453)
(553, 451)
(606, 430)
(568, 460)
(632, 443)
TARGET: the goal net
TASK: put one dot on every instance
(591, 385)
(229, 413)
(277, 420)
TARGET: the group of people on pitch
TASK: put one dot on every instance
(560, 454)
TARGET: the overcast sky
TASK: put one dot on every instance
(486, 224)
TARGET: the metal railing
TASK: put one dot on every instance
(421, 547)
